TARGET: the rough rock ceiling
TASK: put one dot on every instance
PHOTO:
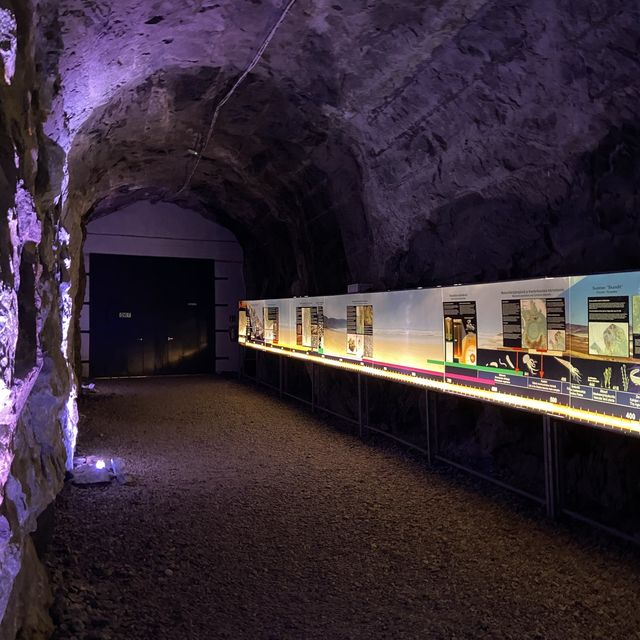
(448, 139)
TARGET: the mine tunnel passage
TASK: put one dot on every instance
(251, 518)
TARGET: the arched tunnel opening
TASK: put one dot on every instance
(231, 232)
(279, 177)
(278, 174)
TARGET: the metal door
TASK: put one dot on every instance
(151, 315)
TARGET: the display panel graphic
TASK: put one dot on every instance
(567, 346)
(360, 330)
(608, 319)
(242, 325)
(460, 340)
(408, 333)
(271, 323)
(310, 327)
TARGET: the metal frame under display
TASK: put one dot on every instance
(552, 500)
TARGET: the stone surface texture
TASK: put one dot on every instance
(391, 142)
(394, 142)
(35, 379)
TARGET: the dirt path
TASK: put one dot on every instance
(251, 518)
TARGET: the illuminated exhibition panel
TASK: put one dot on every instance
(566, 346)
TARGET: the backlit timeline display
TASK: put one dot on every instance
(568, 346)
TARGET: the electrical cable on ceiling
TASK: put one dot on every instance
(236, 84)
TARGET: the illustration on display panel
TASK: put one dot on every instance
(570, 342)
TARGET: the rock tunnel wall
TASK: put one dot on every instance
(37, 409)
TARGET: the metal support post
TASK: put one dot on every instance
(551, 467)
(434, 426)
(366, 403)
(313, 387)
(280, 374)
(427, 412)
(360, 426)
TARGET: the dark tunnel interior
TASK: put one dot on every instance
(162, 161)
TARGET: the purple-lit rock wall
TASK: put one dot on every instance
(35, 382)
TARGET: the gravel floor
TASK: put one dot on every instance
(252, 518)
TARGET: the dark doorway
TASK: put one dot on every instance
(151, 315)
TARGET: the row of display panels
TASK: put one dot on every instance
(567, 346)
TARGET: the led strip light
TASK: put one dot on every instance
(504, 399)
